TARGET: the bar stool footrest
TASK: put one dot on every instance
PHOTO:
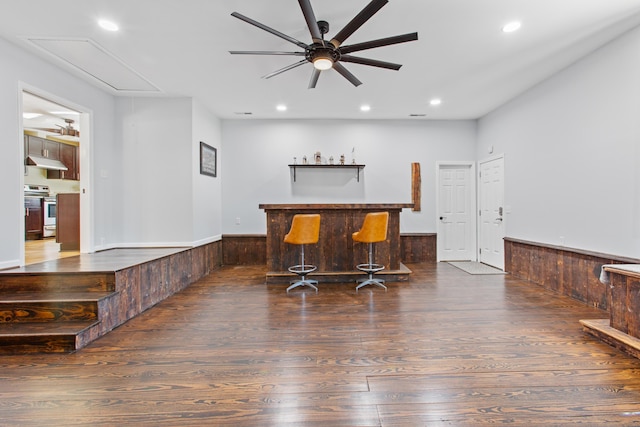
(302, 269)
(370, 268)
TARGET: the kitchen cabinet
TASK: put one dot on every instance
(68, 221)
(42, 147)
(68, 155)
(33, 218)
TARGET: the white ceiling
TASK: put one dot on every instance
(181, 48)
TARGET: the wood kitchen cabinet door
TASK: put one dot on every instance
(43, 147)
(69, 157)
(33, 218)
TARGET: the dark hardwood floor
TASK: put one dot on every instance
(445, 349)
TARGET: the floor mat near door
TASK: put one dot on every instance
(472, 267)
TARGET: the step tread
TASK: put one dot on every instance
(34, 297)
(44, 329)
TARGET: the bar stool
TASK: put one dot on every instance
(374, 229)
(305, 229)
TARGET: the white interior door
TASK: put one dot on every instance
(492, 213)
(456, 237)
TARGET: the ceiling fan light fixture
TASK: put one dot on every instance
(322, 63)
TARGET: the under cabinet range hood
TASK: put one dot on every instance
(43, 162)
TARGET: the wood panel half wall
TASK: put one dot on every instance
(570, 272)
(251, 249)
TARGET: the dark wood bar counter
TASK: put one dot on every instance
(335, 254)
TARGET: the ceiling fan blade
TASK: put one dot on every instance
(372, 62)
(314, 78)
(287, 68)
(362, 17)
(312, 23)
(379, 43)
(264, 52)
(269, 29)
(346, 74)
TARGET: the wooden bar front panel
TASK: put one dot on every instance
(335, 251)
(624, 303)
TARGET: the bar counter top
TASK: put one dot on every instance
(313, 206)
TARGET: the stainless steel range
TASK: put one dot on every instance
(49, 228)
(36, 190)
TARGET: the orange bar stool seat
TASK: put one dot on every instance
(305, 230)
(374, 229)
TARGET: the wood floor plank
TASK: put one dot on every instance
(445, 349)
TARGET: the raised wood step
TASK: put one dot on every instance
(38, 307)
(97, 292)
(19, 338)
(57, 282)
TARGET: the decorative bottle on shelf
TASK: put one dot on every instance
(304, 160)
(331, 160)
(342, 159)
(318, 158)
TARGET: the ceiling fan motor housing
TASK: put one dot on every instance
(317, 50)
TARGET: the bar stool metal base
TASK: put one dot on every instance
(302, 271)
(371, 269)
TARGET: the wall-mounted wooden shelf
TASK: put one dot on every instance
(350, 166)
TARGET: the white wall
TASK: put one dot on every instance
(20, 68)
(207, 191)
(257, 153)
(572, 154)
(165, 200)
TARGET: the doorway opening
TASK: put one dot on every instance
(55, 147)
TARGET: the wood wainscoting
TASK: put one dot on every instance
(418, 247)
(244, 249)
(570, 272)
(251, 249)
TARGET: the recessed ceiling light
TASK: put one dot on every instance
(281, 107)
(108, 25)
(365, 108)
(30, 115)
(435, 101)
(511, 27)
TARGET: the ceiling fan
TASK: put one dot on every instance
(63, 130)
(325, 55)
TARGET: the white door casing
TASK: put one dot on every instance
(456, 207)
(491, 211)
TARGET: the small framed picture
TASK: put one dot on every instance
(208, 155)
